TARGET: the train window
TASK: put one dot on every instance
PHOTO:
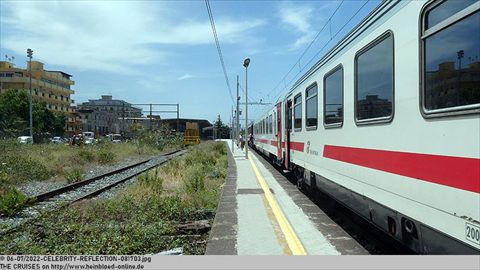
(288, 119)
(270, 126)
(444, 11)
(333, 98)
(297, 113)
(266, 125)
(265, 122)
(374, 81)
(273, 123)
(311, 106)
(451, 58)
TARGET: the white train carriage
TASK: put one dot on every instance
(388, 123)
(264, 131)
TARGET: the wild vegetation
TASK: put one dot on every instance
(145, 218)
(21, 163)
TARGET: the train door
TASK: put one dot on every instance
(279, 131)
(288, 129)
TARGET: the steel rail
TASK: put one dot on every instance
(44, 197)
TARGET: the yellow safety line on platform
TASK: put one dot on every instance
(292, 239)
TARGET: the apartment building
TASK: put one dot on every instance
(51, 87)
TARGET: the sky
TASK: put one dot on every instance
(165, 52)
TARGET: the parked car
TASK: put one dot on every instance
(89, 140)
(25, 139)
(114, 138)
(56, 140)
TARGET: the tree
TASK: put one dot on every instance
(14, 116)
(13, 112)
(221, 130)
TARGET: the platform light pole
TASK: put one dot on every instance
(246, 62)
(237, 113)
(29, 55)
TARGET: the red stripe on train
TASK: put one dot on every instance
(458, 172)
(297, 146)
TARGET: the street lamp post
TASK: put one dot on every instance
(29, 55)
(246, 62)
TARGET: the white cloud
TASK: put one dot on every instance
(106, 35)
(186, 76)
(296, 17)
(299, 19)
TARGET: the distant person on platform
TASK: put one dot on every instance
(242, 142)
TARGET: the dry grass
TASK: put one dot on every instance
(140, 220)
(60, 160)
(196, 178)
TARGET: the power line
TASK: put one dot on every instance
(219, 50)
(243, 90)
(326, 44)
(349, 20)
(308, 47)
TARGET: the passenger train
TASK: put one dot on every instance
(388, 124)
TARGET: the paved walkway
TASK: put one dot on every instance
(257, 216)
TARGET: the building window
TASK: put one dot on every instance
(374, 81)
(297, 113)
(451, 60)
(333, 98)
(311, 106)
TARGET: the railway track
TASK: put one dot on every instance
(82, 190)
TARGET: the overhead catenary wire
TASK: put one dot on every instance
(326, 44)
(307, 48)
(219, 50)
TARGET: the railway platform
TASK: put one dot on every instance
(262, 213)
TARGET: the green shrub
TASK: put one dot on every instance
(220, 148)
(15, 169)
(74, 175)
(11, 201)
(159, 139)
(86, 155)
(105, 156)
(151, 180)
(195, 178)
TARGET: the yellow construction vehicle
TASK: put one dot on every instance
(191, 135)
